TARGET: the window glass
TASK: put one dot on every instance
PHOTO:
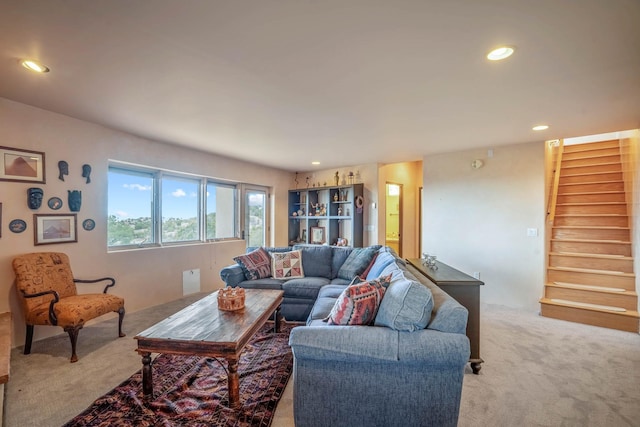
(180, 211)
(130, 207)
(221, 211)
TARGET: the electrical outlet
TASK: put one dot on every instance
(476, 275)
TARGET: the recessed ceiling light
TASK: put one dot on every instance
(35, 66)
(540, 127)
(315, 162)
(501, 53)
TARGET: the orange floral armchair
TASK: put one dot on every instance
(47, 290)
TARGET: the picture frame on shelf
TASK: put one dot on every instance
(317, 235)
(54, 228)
(21, 165)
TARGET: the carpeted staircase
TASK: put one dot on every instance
(590, 277)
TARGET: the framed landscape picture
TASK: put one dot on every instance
(21, 165)
(54, 228)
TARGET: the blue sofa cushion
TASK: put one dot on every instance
(340, 255)
(406, 305)
(316, 260)
(383, 260)
(357, 261)
(307, 287)
(256, 264)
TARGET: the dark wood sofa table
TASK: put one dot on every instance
(464, 289)
(201, 329)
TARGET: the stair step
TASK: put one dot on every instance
(627, 300)
(592, 277)
(583, 255)
(624, 321)
(592, 187)
(603, 220)
(592, 263)
(593, 153)
(590, 168)
(608, 234)
(590, 287)
(617, 208)
(572, 148)
(587, 197)
(588, 305)
(591, 161)
(583, 178)
(591, 246)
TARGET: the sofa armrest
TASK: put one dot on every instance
(359, 343)
(232, 275)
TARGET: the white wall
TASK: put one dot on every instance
(145, 277)
(476, 220)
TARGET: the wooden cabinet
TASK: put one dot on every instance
(464, 289)
(322, 215)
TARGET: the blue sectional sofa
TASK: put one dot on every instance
(405, 369)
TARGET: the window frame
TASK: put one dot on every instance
(157, 175)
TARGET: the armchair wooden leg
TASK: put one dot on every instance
(120, 319)
(73, 336)
(28, 339)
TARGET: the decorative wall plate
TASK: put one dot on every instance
(55, 203)
(88, 224)
(17, 226)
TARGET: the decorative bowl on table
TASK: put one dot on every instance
(231, 299)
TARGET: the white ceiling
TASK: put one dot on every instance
(285, 82)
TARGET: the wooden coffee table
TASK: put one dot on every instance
(201, 329)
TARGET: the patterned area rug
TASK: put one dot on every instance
(192, 390)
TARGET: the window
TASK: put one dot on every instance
(221, 211)
(130, 210)
(153, 207)
(180, 213)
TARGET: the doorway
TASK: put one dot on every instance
(393, 217)
(255, 223)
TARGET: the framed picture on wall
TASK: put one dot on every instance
(317, 235)
(54, 228)
(21, 165)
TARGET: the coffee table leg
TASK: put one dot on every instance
(147, 376)
(233, 383)
(277, 318)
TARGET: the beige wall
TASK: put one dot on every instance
(476, 220)
(145, 277)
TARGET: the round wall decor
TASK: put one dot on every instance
(55, 203)
(17, 226)
(88, 224)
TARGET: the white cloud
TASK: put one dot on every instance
(179, 193)
(122, 214)
(138, 187)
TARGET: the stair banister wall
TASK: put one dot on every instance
(557, 153)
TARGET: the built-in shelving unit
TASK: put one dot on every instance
(322, 215)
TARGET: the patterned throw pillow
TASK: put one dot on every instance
(255, 264)
(287, 265)
(358, 303)
(357, 261)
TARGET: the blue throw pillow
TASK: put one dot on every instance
(382, 261)
(406, 305)
(357, 261)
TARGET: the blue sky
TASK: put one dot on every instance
(130, 196)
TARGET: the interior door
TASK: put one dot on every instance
(393, 217)
(255, 214)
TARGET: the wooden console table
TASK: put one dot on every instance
(464, 289)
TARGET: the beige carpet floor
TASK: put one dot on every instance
(537, 372)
